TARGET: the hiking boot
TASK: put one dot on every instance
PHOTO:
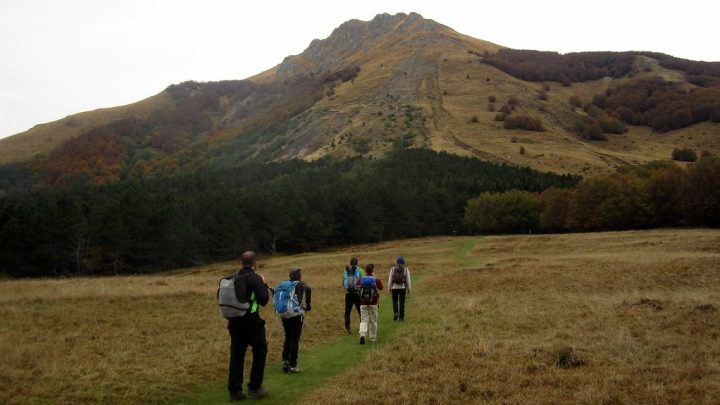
(258, 393)
(395, 317)
(285, 366)
(362, 340)
(237, 396)
(293, 370)
(349, 331)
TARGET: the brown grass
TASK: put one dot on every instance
(621, 317)
(592, 318)
(153, 338)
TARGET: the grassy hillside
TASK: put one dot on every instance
(623, 317)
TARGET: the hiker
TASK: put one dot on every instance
(399, 282)
(352, 273)
(369, 301)
(288, 297)
(240, 296)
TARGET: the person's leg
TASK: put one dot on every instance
(238, 347)
(294, 338)
(373, 322)
(287, 327)
(395, 304)
(348, 309)
(256, 334)
(356, 298)
(401, 296)
(363, 322)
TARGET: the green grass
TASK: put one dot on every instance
(461, 254)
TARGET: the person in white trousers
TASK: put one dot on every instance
(370, 286)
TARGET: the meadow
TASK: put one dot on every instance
(615, 317)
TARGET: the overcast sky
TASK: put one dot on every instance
(60, 57)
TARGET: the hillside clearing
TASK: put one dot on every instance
(620, 317)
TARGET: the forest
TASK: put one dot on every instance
(147, 225)
(658, 194)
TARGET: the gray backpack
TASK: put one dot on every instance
(231, 305)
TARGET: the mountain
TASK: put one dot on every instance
(397, 80)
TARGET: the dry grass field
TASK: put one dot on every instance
(623, 317)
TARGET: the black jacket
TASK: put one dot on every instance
(254, 284)
(301, 290)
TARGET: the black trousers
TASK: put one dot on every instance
(350, 300)
(293, 329)
(246, 332)
(398, 298)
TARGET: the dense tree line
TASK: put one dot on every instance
(661, 105)
(701, 73)
(147, 225)
(653, 195)
(540, 66)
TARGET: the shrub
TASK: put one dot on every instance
(575, 101)
(501, 116)
(474, 119)
(543, 96)
(594, 111)
(506, 108)
(522, 150)
(715, 116)
(612, 125)
(523, 122)
(513, 211)
(492, 99)
(513, 101)
(590, 130)
(684, 155)
(491, 107)
(599, 100)
(625, 114)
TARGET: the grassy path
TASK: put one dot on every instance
(324, 363)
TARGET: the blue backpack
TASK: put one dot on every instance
(286, 300)
(351, 277)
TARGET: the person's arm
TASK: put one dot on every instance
(308, 297)
(262, 295)
(379, 283)
(408, 283)
(390, 278)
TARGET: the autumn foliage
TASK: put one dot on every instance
(635, 197)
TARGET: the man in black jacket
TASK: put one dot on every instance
(248, 330)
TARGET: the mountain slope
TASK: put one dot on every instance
(371, 86)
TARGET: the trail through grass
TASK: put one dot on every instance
(324, 363)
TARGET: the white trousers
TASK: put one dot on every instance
(369, 321)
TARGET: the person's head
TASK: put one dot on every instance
(400, 260)
(370, 269)
(248, 259)
(354, 261)
(295, 275)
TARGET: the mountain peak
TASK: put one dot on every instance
(353, 36)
